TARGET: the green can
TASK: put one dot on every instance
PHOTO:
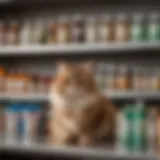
(139, 138)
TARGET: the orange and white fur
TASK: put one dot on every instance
(80, 113)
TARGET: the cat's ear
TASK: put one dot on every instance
(88, 66)
(63, 65)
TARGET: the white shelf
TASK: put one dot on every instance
(24, 97)
(76, 151)
(153, 95)
(117, 95)
(77, 48)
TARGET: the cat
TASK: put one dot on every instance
(81, 115)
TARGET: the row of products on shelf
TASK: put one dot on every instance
(123, 77)
(21, 122)
(138, 128)
(20, 82)
(108, 76)
(82, 28)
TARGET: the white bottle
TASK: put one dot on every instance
(25, 33)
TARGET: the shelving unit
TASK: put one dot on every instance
(14, 54)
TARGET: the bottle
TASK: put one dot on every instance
(11, 123)
(123, 78)
(128, 135)
(91, 29)
(100, 70)
(137, 28)
(145, 78)
(2, 33)
(13, 33)
(78, 29)
(154, 27)
(155, 80)
(52, 31)
(25, 33)
(1, 123)
(2, 79)
(110, 77)
(139, 117)
(122, 130)
(38, 32)
(158, 132)
(63, 30)
(122, 28)
(137, 79)
(151, 129)
(105, 29)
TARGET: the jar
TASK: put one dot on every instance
(105, 29)
(2, 33)
(63, 30)
(13, 33)
(52, 38)
(122, 28)
(91, 30)
(110, 77)
(137, 28)
(123, 78)
(154, 27)
(78, 29)
(26, 33)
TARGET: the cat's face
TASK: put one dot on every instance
(74, 80)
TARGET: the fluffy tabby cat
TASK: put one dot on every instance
(80, 113)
